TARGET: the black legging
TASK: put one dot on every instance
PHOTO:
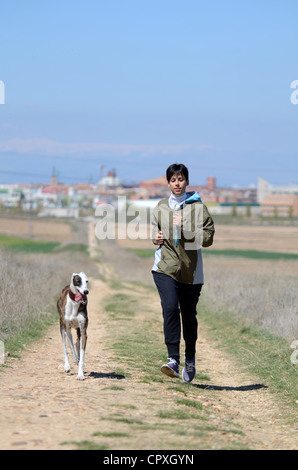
(174, 294)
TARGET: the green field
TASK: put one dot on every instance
(253, 254)
(26, 245)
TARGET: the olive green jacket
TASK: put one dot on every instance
(180, 255)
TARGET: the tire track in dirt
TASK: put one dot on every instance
(44, 408)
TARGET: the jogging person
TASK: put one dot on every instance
(181, 224)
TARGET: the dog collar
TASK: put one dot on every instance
(75, 297)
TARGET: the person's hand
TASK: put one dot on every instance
(177, 218)
(160, 238)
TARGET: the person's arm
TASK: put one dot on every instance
(208, 228)
(157, 235)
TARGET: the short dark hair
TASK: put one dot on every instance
(176, 169)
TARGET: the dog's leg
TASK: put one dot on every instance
(83, 342)
(70, 342)
(66, 361)
(78, 341)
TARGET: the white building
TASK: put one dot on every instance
(265, 189)
(110, 181)
(10, 195)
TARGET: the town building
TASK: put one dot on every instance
(10, 195)
(280, 205)
(278, 200)
(111, 181)
(54, 197)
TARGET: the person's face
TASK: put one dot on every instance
(178, 184)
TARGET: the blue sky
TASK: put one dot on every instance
(138, 85)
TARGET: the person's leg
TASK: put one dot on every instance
(188, 295)
(168, 291)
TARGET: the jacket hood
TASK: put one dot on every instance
(193, 197)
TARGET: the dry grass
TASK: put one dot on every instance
(264, 292)
(49, 230)
(30, 285)
(274, 238)
(30, 281)
(282, 239)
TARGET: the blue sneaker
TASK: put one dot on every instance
(189, 370)
(171, 369)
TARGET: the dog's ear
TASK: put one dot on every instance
(77, 280)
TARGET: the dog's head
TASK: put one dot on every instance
(80, 283)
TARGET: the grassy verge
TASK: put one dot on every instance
(72, 248)
(132, 341)
(25, 245)
(266, 356)
(32, 329)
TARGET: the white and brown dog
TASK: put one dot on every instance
(72, 308)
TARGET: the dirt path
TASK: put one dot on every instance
(115, 407)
